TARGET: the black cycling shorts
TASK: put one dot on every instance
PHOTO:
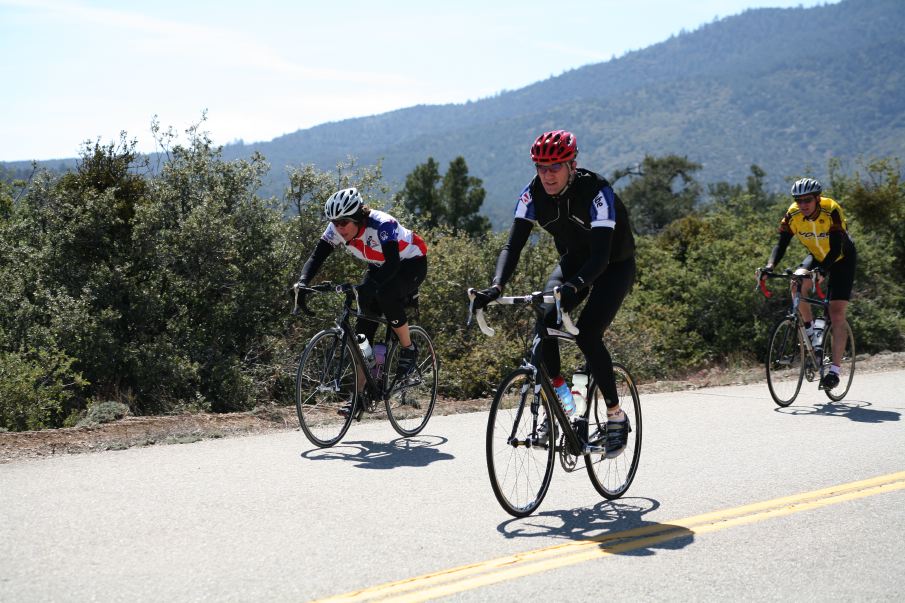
(841, 276)
(389, 298)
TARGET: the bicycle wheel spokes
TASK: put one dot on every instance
(785, 363)
(411, 401)
(847, 364)
(520, 451)
(612, 477)
(326, 381)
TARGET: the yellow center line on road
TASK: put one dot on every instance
(476, 575)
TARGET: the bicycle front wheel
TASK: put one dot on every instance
(785, 362)
(847, 364)
(520, 450)
(611, 477)
(326, 381)
(411, 401)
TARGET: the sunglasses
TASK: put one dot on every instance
(805, 199)
(553, 167)
(341, 222)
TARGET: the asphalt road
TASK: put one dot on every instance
(735, 500)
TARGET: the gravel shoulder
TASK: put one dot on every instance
(130, 432)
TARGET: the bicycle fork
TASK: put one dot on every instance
(531, 438)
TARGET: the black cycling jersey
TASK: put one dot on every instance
(589, 224)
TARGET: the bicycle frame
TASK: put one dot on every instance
(376, 388)
(576, 443)
(797, 298)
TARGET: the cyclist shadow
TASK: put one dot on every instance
(617, 526)
(854, 410)
(418, 451)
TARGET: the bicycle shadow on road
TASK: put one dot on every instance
(418, 451)
(618, 527)
(854, 410)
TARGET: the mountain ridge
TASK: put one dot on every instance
(783, 88)
(768, 86)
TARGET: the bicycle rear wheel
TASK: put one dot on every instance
(847, 364)
(411, 401)
(520, 454)
(326, 381)
(612, 477)
(785, 362)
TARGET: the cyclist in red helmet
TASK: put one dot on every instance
(591, 231)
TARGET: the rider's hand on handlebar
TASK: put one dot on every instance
(301, 293)
(761, 274)
(485, 296)
(568, 296)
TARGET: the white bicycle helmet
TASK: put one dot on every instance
(806, 186)
(343, 204)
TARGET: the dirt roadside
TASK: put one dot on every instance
(182, 429)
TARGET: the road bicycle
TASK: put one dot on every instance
(527, 425)
(792, 357)
(329, 392)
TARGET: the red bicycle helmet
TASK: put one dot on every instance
(554, 147)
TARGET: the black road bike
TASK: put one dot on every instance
(527, 426)
(792, 357)
(329, 391)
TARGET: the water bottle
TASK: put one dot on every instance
(565, 395)
(366, 350)
(380, 354)
(817, 338)
(579, 392)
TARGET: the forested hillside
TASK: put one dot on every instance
(155, 291)
(785, 89)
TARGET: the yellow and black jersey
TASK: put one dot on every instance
(815, 233)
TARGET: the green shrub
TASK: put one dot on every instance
(105, 411)
(165, 290)
(37, 390)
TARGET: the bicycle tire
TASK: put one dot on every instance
(848, 363)
(319, 394)
(611, 477)
(409, 404)
(520, 471)
(785, 362)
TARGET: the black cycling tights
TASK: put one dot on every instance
(606, 295)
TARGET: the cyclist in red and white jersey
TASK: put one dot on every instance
(396, 258)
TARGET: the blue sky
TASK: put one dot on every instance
(83, 70)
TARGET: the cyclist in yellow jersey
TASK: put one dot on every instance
(819, 223)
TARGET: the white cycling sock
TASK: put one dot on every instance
(834, 368)
(617, 417)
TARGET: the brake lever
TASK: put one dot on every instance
(561, 317)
